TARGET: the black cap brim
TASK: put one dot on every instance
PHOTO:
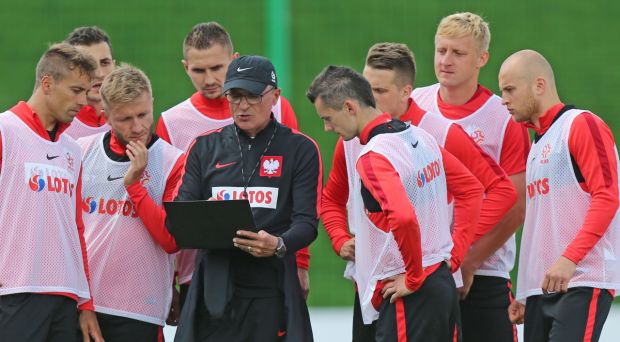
(253, 87)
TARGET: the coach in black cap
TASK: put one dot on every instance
(251, 292)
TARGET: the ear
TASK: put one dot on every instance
(350, 107)
(540, 85)
(235, 55)
(276, 94)
(482, 59)
(406, 92)
(46, 84)
(185, 65)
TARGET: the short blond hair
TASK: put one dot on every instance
(465, 24)
(60, 59)
(124, 85)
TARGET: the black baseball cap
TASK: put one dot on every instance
(251, 73)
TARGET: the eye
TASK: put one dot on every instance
(198, 70)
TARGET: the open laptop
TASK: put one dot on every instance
(208, 224)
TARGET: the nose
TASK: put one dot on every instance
(446, 58)
(244, 104)
(99, 74)
(328, 127)
(209, 78)
(81, 99)
(504, 100)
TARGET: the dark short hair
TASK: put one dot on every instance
(60, 59)
(205, 35)
(335, 84)
(87, 36)
(393, 56)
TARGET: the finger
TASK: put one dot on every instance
(564, 286)
(545, 284)
(394, 297)
(248, 234)
(130, 155)
(552, 285)
(246, 242)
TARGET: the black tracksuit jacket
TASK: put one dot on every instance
(213, 169)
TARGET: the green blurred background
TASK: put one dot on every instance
(576, 36)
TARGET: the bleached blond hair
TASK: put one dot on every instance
(464, 24)
(124, 85)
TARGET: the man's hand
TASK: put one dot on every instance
(175, 309)
(90, 326)
(558, 276)
(516, 312)
(467, 273)
(261, 244)
(394, 287)
(304, 281)
(347, 251)
(138, 155)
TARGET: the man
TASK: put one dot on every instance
(252, 292)
(92, 41)
(43, 262)
(461, 50)
(128, 173)
(569, 268)
(390, 70)
(399, 211)
(207, 52)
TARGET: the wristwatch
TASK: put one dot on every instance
(281, 248)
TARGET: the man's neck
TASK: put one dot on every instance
(458, 95)
(41, 110)
(365, 117)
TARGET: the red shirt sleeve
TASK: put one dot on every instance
(288, 114)
(152, 215)
(162, 131)
(383, 182)
(88, 305)
(290, 120)
(335, 197)
(499, 190)
(591, 143)
(515, 148)
(467, 192)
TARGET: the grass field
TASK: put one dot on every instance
(579, 38)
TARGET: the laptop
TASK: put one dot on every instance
(208, 224)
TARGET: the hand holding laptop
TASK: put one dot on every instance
(261, 244)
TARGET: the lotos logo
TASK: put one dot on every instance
(104, 206)
(271, 166)
(539, 186)
(428, 173)
(41, 177)
(259, 197)
(545, 154)
(36, 183)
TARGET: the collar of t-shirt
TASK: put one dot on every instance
(379, 120)
(89, 116)
(414, 113)
(32, 120)
(217, 109)
(457, 112)
(547, 119)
